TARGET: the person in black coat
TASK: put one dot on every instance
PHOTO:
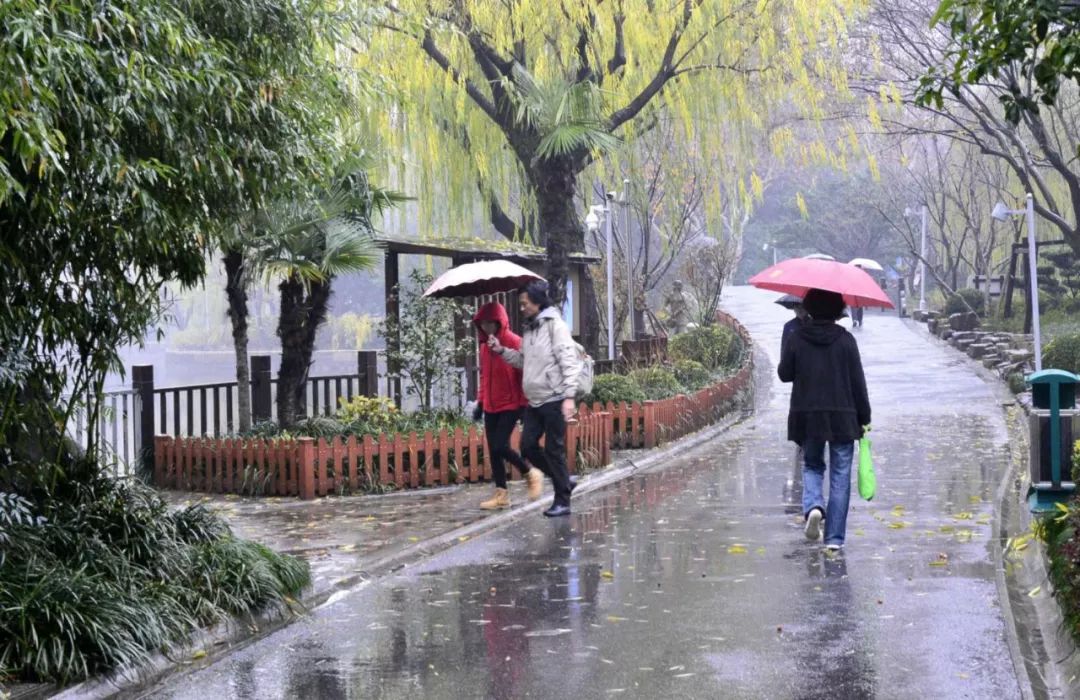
(829, 408)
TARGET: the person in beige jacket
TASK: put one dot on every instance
(550, 364)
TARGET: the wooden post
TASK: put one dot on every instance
(260, 389)
(161, 444)
(607, 438)
(142, 381)
(367, 367)
(650, 424)
(393, 314)
(305, 460)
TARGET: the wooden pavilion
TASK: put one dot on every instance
(466, 250)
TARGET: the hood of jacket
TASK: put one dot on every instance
(492, 311)
(821, 332)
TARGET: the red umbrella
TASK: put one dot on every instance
(799, 275)
(484, 277)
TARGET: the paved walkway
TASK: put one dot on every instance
(349, 539)
(692, 581)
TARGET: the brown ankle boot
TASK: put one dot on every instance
(501, 499)
(535, 478)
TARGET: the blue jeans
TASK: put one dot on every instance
(840, 455)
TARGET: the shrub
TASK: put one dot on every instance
(692, 375)
(954, 304)
(1063, 352)
(103, 574)
(712, 346)
(1017, 385)
(657, 382)
(365, 415)
(1061, 534)
(1076, 462)
(378, 413)
(318, 427)
(615, 388)
(430, 419)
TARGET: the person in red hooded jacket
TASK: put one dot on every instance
(500, 398)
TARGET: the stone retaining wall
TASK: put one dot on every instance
(1005, 353)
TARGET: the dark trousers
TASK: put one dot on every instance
(497, 429)
(547, 420)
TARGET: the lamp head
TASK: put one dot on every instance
(1000, 212)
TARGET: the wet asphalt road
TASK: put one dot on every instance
(695, 581)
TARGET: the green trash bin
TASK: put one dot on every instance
(1054, 426)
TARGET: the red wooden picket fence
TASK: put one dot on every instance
(650, 423)
(309, 467)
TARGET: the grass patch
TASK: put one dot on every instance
(104, 574)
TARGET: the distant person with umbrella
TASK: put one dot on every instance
(550, 363)
(790, 301)
(829, 408)
(870, 266)
(501, 403)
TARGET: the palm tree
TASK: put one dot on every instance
(306, 245)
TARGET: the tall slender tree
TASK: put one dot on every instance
(305, 245)
(521, 97)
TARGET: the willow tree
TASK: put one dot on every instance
(520, 97)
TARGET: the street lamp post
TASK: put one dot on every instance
(625, 201)
(592, 221)
(923, 213)
(767, 246)
(1001, 213)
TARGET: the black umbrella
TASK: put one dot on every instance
(789, 301)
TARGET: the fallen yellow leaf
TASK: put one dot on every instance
(200, 654)
(736, 549)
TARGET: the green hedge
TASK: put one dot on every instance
(615, 388)
(1063, 352)
(714, 347)
(974, 298)
(657, 382)
(692, 374)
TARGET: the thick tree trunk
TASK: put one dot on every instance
(554, 180)
(301, 315)
(236, 292)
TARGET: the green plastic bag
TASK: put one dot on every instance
(867, 478)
